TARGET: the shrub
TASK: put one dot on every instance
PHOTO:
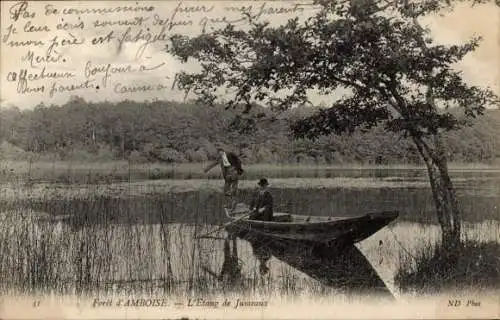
(436, 269)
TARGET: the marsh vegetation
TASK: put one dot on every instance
(138, 236)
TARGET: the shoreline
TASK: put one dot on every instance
(303, 166)
(84, 172)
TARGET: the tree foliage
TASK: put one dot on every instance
(376, 50)
(142, 131)
(389, 67)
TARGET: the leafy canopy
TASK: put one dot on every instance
(375, 52)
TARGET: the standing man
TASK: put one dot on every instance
(231, 171)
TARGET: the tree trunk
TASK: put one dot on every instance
(442, 190)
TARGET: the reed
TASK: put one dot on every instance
(102, 257)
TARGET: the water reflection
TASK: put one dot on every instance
(230, 273)
(343, 268)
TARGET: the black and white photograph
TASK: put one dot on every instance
(302, 159)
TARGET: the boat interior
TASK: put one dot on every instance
(242, 210)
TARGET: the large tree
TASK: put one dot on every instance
(375, 61)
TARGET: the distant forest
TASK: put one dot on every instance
(163, 131)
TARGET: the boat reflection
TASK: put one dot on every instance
(344, 268)
(323, 250)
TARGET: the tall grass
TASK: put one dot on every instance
(164, 259)
(101, 257)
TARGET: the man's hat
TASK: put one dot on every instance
(263, 182)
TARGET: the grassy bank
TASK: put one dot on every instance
(474, 265)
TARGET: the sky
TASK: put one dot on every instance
(146, 68)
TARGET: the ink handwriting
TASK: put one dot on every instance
(107, 70)
(56, 49)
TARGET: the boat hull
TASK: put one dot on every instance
(342, 231)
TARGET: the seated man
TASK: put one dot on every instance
(262, 203)
(262, 209)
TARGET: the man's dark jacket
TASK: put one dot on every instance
(235, 161)
(261, 200)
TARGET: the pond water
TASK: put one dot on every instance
(201, 201)
(141, 238)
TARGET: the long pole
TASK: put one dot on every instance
(224, 225)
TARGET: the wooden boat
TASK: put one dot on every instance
(290, 227)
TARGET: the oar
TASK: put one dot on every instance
(224, 225)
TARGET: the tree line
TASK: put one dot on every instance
(166, 131)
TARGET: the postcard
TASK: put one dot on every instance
(326, 159)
